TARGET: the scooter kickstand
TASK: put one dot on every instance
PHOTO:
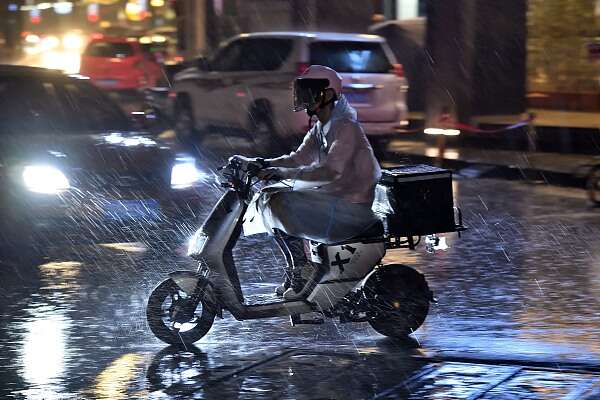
(296, 319)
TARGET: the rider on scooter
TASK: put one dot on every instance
(336, 157)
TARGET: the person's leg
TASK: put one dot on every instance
(316, 216)
(296, 260)
(289, 261)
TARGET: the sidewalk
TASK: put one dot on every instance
(568, 169)
(543, 118)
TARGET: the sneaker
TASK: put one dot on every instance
(291, 294)
(301, 276)
(280, 290)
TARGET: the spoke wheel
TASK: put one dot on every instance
(177, 366)
(400, 300)
(168, 319)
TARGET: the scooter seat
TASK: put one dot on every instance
(376, 230)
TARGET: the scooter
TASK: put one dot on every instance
(351, 283)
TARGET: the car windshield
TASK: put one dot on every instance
(351, 57)
(109, 50)
(55, 106)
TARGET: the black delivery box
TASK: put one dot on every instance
(420, 197)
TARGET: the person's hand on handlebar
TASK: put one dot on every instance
(248, 162)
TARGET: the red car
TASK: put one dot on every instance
(115, 63)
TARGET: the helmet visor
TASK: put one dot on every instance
(306, 92)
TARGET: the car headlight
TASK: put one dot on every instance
(185, 175)
(73, 41)
(45, 179)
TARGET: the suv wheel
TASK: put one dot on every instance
(185, 127)
(262, 128)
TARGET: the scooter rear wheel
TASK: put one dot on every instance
(160, 317)
(400, 297)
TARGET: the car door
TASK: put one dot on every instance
(248, 70)
(210, 88)
(260, 77)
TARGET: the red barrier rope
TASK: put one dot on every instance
(446, 120)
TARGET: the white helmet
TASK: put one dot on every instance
(315, 80)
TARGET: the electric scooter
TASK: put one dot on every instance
(351, 283)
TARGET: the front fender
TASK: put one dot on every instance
(190, 283)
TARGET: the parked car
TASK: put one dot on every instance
(247, 83)
(117, 63)
(69, 157)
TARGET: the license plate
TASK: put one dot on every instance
(132, 209)
(107, 82)
(360, 98)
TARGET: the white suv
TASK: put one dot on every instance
(247, 84)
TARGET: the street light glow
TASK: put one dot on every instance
(440, 131)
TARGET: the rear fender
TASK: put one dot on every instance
(190, 282)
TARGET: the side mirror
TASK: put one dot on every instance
(201, 62)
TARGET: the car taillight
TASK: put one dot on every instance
(301, 67)
(398, 70)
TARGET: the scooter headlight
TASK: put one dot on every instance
(45, 179)
(196, 243)
(185, 175)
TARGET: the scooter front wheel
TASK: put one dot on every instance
(400, 297)
(171, 318)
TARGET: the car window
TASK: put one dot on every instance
(252, 55)
(29, 105)
(264, 54)
(91, 109)
(228, 58)
(108, 49)
(357, 57)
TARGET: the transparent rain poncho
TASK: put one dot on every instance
(323, 209)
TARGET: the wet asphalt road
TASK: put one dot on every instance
(518, 314)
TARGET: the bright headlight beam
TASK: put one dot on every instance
(73, 41)
(45, 179)
(185, 175)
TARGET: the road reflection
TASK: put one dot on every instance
(117, 380)
(45, 353)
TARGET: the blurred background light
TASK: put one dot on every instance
(63, 7)
(93, 12)
(44, 6)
